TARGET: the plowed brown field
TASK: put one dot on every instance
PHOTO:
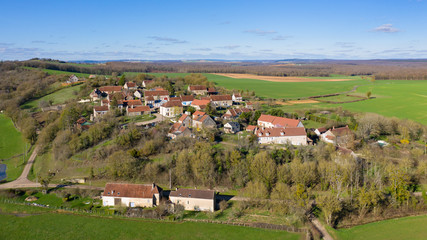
(279, 79)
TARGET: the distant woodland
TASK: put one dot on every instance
(381, 69)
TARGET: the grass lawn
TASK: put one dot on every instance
(11, 141)
(401, 228)
(70, 226)
(339, 98)
(58, 97)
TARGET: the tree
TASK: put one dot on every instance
(210, 110)
(256, 190)
(122, 80)
(330, 206)
(263, 169)
(368, 94)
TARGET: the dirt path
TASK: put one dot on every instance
(321, 228)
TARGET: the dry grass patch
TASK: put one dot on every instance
(280, 79)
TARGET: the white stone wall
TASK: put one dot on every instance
(195, 204)
(138, 202)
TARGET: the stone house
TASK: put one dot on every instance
(194, 199)
(202, 120)
(100, 110)
(198, 89)
(186, 100)
(185, 120)
(231, 127)
(294, 136)
(237, 97)
(72, 79)
(130, 86)
(178, 129)
(337, 136)
(234, 113)
(139, 110)
(223, 101)
(110, 89)
(157, 95)
(131, 195)
(171, 109)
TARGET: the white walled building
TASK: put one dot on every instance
(131, 195)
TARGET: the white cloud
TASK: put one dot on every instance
(387, 28)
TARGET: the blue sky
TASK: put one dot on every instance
(234, 30)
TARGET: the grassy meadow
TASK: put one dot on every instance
(400, 228)
(58, 97)
(48, 225)
(11, 140)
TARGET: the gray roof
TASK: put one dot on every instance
(193, 193)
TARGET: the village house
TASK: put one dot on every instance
(185, 119)
(212, 91)
(145, 83)
(234, 113)
(198, 89)
(171, 109)
(138, 110)
(132, 103)
(131, 195)
(72, 79)
(280, 135)
(320, 131)
(200, 104)
(194, 199)
(162, 95)
(99, 111)
(337, 136)
(231, 127)
(250, 128)
(186, 100)
(202, 120)
(96, 94)
(138, 94)
(110, 89)
(130, 86)
(223, 101)
(237, 97)
(178, 129)
(269, 121)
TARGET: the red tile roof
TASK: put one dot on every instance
(110, 89)
(197, 87)
(100, 108)
(183, 117)
(130, 84)
(221, 98)
(177, 127)
(131, 190)
(279, 121)
(198, 114)
(250, 128)
(172, 104)
(175, 99)
(187, 98)
(280, 132)
(211, 90)
(139, 109)
(133, 102)
(341, 131)
(197, 102)
(193, 193)
(156, 93)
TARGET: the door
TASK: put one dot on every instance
(117, 201)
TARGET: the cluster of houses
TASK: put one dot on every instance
(269, 129)
(151, 195)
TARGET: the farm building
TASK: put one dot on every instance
(224, 101)
(131, 195)
(194, 199)
(139, 110)
(198, 89)
(294, 136)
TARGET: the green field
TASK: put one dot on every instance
(69, 226)
(57, 72)
(11, 141)
(288, 90)
(58, 97)
(401, 228)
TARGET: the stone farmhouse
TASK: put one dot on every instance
(131, 195)
(202, 120)
(100, 110)
(198, 89)
(138, 110)
(179, 129)
(224, 101)
(280, 135)
(337, 136)
(194, 199)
